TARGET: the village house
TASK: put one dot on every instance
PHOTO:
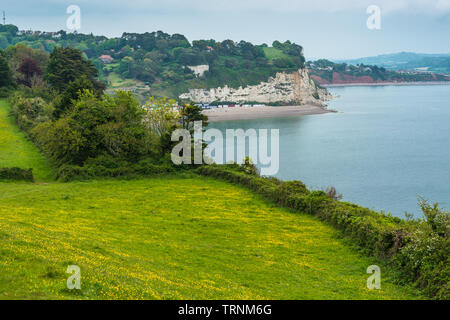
(105, 58)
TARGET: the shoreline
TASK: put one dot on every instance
(240, 113)
(376, 84)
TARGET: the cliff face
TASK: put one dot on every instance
(293, 88)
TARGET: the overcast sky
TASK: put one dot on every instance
(325, 28)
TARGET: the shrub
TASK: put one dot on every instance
(16, 174)
(30, 111)
(108, 167)
(331, 193)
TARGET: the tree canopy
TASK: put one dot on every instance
(67, 65)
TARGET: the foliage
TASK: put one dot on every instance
(332, 193)
(161, 115)
(249, 167)
(191, 113)
(30, 111)
(65, 101)
(29, 69)
(16, 174)
(68, 64)
(160, 60)
(327, 70)
(109, 167)
(96, 126)
(6, 79)
(19, 53)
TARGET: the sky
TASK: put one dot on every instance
(331, 29)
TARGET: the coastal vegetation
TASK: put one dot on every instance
(326, 72)
(161, 60)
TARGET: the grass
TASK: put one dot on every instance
(274, 53)
(17, 151)
(115, 81)
(172, 238)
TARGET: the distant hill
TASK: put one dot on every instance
(327, 72)
(406, 61)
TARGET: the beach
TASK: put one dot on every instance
(246, 113)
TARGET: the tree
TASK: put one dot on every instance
(29, 69)
(160, 114)
(10, 29)
(20, 52)
(67, 65)
(125, 66)
(106, 126)
(162, 120)
(6, 79)
(189, 114)
(71, 94)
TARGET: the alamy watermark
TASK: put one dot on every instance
(374, 281)
(234, 145)
(74, 280)
(374, 20)
(73, 22)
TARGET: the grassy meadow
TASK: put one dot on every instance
(175, 237)
(17, 151)
(171, 238)
(274, 53)
(116, 81)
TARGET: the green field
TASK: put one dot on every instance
(16, 150)
(178, 237)
(274, 53)
(171, 238)
(115, 81)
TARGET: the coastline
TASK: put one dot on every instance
(240, 113)
(419, 83)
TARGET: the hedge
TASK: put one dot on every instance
(16, 174)
(410, 246)
(123, 170)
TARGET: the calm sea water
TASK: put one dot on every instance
(385, 147)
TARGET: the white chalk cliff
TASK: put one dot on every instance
(289, 88)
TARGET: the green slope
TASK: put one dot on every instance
(16, 150)
(187, 238)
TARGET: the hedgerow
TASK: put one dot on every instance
(16, 174)
(105, 167)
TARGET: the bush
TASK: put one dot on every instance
(5, 92)
(420, 249)
(16, 174)
(28, 112)
(108, 167)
